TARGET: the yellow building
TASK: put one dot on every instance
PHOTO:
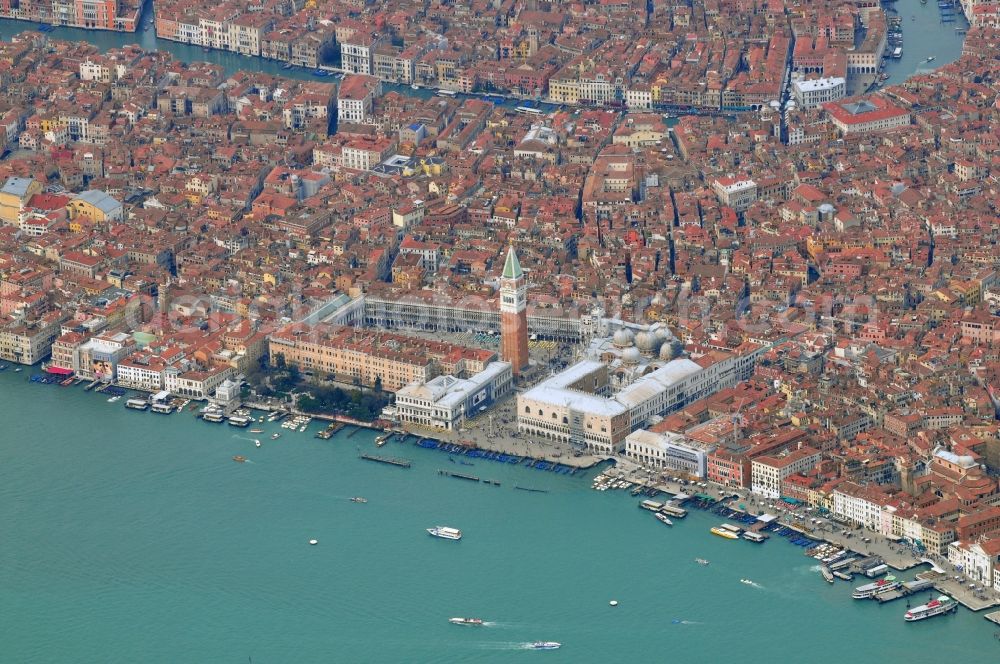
(96, 206)
(14, 195)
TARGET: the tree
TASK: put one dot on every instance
(378, 384)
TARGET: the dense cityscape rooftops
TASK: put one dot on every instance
(831, 265)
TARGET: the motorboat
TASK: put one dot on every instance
(359, 499)
(725, 530)
(701, 561)
(239, 459)
(466, 621)
(827, 574)
(545, 645)
(256, 442)
(275, 436)
(445, 532)
(662, 518)
(256, 431)
(746, 582)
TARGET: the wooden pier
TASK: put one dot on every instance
(524, 488)
(471, 478)
(392, 461)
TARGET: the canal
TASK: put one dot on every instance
(925, 35)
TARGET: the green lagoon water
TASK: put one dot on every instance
(134, 537)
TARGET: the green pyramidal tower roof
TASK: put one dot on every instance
(512, 267)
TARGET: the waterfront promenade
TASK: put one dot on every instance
(895, 555)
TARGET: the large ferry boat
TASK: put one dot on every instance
(935, 607)
(545, 645)
(465, 621)
(445, 532)
(726, 530)
(872, 589)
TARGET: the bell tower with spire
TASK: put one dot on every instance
(513, 314)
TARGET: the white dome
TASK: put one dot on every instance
(622, 338)
(671, 350)
(631, 355)
(662, 333)
(644, 341)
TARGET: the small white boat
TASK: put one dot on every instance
(275, 436)
(545, 645)
(445, 532)
(746, 582)
(465, 621)
(359, 499)
(256, 442)
(17, 369)
(701, 561)
(313, 542)
(415, 86)
(662, 518)
(613, 602)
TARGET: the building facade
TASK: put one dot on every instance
(445, 402)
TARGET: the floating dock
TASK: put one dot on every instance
(524, 488)
(392, 461)
(908, 588)
(471, 478)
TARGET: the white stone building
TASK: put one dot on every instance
(445, 402)
(665, 451)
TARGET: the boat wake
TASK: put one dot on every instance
(503, 645)
(752, 584)
(815, 569)
(678, 621)
(499, 624)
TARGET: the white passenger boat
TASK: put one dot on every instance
(445, 532)
(545, 645)
(935, 607)
(872, 589)
(465, 621)
(662, 518)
